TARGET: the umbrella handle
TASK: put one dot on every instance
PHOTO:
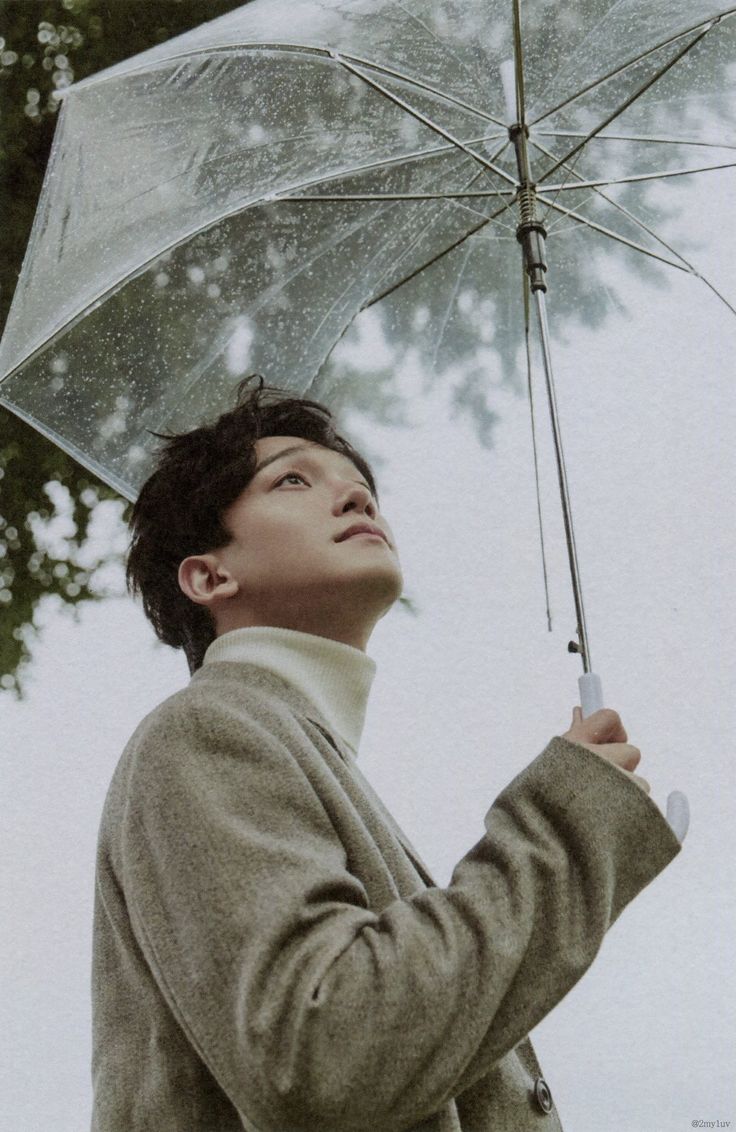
(591, 693)
(678, 808)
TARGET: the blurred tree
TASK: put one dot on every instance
(47, 501)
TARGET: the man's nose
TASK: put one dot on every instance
(356, 497)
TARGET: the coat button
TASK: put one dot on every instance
(542, 1095)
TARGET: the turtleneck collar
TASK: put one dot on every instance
(336, 678)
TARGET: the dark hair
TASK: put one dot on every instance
(198, 475)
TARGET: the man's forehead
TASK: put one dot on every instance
(270, 445)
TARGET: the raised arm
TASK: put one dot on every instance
(314, 1012)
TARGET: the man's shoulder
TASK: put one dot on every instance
(223, 705)
(220, 690)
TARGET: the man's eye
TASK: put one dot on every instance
(291, 476)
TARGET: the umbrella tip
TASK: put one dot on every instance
(678, 814)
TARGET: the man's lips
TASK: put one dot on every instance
(361, 528)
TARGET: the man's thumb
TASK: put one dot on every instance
(577, 715)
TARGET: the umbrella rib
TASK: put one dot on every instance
(104, 294)
(596, 191)
(625, 104)
(416, 19)
(404, 158)
(475, 177)
(391, 72)
(631, 137)
(685, 265)
(320, 52)
(100, 297)
(689, 267)
(222, 49)
(427, 152)
(307, 263)
(571, 214)
(557, 224)
(107, 292)
(404, 251)
(403, 77)
(449, 194)
(435, 259)
(707, 25)
(450, 305)
(105, 474)
(501, 193)
(636, 177)
(427, 264)
(427, 121)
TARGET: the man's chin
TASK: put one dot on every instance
(386, 590)
(376, 590)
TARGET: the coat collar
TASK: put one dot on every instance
(257, 678)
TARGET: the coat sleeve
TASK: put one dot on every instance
(314, 1013)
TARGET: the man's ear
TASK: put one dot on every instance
(204, 579)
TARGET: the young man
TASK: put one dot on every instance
(270, 953)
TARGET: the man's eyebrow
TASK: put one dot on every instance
(284, 452)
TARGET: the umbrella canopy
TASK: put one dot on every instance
(231, 199)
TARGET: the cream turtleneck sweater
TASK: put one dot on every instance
(335, 677)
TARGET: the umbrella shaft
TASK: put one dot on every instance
(583, 648)
(530, 231)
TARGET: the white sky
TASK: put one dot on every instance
(466, 694)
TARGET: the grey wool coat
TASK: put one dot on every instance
(271, 955)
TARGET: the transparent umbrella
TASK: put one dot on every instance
(232, 199)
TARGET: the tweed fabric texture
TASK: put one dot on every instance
(271, 955)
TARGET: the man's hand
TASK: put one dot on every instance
(603, 733)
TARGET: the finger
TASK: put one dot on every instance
(577, 715)
(622, 755)
(642, 782)
(631, 757)
(606, 726)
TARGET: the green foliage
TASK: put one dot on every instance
(44, 549)
(44, 46)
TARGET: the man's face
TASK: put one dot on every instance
(289, 553)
